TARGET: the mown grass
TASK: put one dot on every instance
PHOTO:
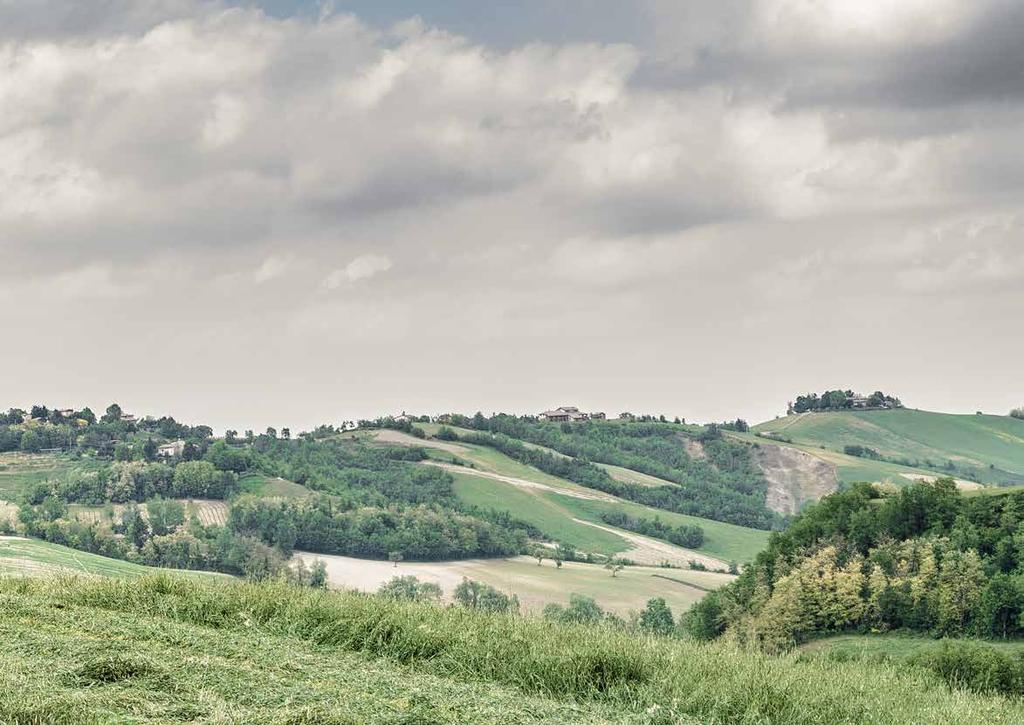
(160, 648)
(64, 661)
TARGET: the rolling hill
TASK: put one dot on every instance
(568, 512)
(904, 443)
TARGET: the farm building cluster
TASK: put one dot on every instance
(569, 414)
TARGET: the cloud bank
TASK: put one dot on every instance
(198, 201)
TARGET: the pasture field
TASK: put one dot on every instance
(727, 542)
(31, 556)
(546, 513)
(164, 649)
(628, 475)
(991, 446)
(271, 486)
(556, 515)
(18, 471)
(535, 585)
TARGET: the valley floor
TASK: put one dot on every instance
(536, 586)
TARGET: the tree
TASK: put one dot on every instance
(410, 589)
(165, 515)
(318, 575)
(477, 595)
(113, 414)
(395, 557)
(1017, 413)
(614, 566)
(581, 610)
(123, 452)
(657, 617)
(31, 442)
(136, 530)
(1001, 612)
(149, 449)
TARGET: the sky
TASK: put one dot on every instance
(290, 213)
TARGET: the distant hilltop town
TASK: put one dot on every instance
(842, 400)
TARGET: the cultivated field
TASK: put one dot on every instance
(535, 585)
(208, 511)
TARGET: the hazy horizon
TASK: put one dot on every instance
(291, 213)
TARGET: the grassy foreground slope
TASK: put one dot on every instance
(989, 448)
(167, 649)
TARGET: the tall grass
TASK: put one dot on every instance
(655, 679)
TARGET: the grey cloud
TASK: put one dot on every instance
(556, 216)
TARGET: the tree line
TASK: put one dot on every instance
(420, 533)
(685, 535)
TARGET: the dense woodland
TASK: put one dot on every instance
(717, 480)
(925, 559)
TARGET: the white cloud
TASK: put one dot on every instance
(272, 267)
(362, 267)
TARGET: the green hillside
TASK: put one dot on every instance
(163, 650)
(984, 448)
(555, 504)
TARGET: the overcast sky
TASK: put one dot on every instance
(291, 212)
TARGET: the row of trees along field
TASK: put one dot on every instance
(367, 501)
(924, 559)
(721, 482)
